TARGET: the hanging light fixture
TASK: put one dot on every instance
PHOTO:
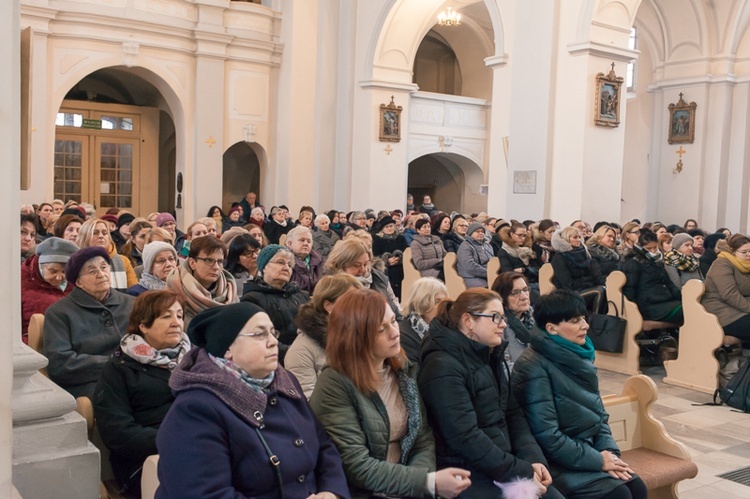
(449, 18)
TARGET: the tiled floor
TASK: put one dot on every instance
(718, 437)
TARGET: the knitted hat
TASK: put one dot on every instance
(79, 258)
(109, 218)
(266, 254)
(125, 219)
(151, 250)
(500, 223)
(55, 250)
(473, 227)
(215, 328)
(78, 211)
(228, 235)
(712, 239)
(680, 239)
(163, 218)
(236, 208)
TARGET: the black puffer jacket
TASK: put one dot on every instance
(477, 423)
(649, 286)
(574, 267)
(451, 242)
(559, 393)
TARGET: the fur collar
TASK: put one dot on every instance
(561, 245)
(313, 323)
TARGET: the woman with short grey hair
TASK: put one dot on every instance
(324, 237)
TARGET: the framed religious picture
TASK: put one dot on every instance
(682, 122)
(390, 122)
(607, 103)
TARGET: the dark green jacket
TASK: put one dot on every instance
(559, 393)
(359, 426)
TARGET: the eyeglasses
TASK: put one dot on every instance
(496, 318)
(517, 292)
(163, 261)
(250, 253)
(634, 231)
(743, 252)
(211, 262)
(522, 234)
(262, 336)
(283, 263)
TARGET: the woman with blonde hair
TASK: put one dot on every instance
(631, 231)
(602, 247)
(426, 294)
(95, 232)
(307, 354)
(575, 269)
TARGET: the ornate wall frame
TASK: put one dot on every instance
(390, 122)
(607, 99)
(682, 122)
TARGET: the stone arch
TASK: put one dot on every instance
(453, 181)
(243, 167)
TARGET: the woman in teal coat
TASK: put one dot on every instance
(555, 383)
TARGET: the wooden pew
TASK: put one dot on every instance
(411, 274)
(660, 460)
(546, 272)
(493, 270)
(696, 367)
(36, 339)
(453, 281)
(149, 477)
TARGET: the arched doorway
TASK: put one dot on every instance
(241, 172)
(451, 180)
(115, 144)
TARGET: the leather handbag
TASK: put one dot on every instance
(607, 332)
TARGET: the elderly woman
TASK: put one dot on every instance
(367, 399)
(466, 388)
(308, 263)
(456, 236)
(307, 354)
(94, 232)
(389, 245)
(235, 408)
(83, 329)
(555, 383)
(232, 219)
(427, 251)
(67, 227)
(276, 293)
(324, 237)
(305, 218)
(514, 291)
(728, 287)
(542, 246)
(575, 269)
(426, 294)
(473, 256)
(133, 249)
(631, 231)
(681, 264)
(515, 255)
(353, 257)
(159, 259)
(602, 247)
(201, 279)
(133, 394)
(242, 260)
(43, 279)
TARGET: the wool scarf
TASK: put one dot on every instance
(682, 262)
(585, 351)
(741, 265)
(601, 252)
(197, 298)
(523, 253)
(578, 257)
(136, 347)
(255, 384)
(151, 282)
(418, 325)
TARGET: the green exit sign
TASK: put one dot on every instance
(93, 124)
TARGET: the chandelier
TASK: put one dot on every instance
(449, 18)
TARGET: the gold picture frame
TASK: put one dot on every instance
(607, 103)
(390, 122)
(682, 122)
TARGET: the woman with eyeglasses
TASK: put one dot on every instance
(95, 232)
(556, 385)
(240, 425)
(159, 259)
(516, 256)
(201, 279)
(276, 293)
(631, 231)
(728, 287)
(453, 239)
(465, 384)
(514, 291)
(242, 260)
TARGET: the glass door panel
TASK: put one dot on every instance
(71, 167)
(117, 159)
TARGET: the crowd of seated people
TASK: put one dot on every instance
(380, 428)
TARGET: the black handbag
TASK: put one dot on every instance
(607, 332)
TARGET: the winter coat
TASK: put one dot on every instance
(509, 262)
(308, 275)
(209, 444)
(649, 286)
(706, 259)
(281, 305)
(323, 241)
(471, 262)
(680, 277)
(727, 292)
(540, 252)
(609, 260)
(496, 243)
(477, 423)
(382, 285)
(386, 247)
(130, 402)
(411, 340)
(409, 235)
(80, 335)
(273, 230)
(559, 393)
(122, 274)
(306, 356)
(452, 241)
(427, 253)
(517, 335)
(569, 275)
(36, 293)
(359, 425)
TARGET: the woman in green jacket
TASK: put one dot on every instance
(367, 400)
(555, 383)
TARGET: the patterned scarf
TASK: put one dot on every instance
(601, 252)
(683, 263)
(151, 282)
(255, 384)
(741, 265)
(138, 349)
(418, 324)
(197, 298)
(547, 250)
